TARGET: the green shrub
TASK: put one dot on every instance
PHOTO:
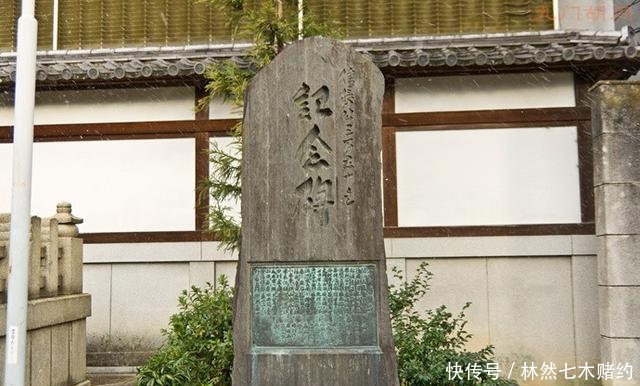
(199, 346)
(428, 342)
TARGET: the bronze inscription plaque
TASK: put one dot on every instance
(314, 306)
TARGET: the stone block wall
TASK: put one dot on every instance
(616, 147)
(57, 309)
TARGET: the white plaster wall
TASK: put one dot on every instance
(534, 297)
(484, 92)
(488, 176)
(117, 186)
(226, 144)
(592, 15)
(109, 105)
(221, 109)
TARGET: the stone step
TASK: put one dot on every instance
(112, 376)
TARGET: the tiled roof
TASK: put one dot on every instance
(499, 49)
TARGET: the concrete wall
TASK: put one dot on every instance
(135, 289)
(535, 298)
(630, 17)
(617, 198)
(593, 15)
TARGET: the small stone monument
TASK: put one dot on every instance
(311, 292)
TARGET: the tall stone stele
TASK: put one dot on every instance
(311, 291)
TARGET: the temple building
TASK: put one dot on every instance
(487, 155)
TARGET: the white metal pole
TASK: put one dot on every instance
(54, 37)
(17, 291)
(300, 19)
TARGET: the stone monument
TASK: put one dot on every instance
(311, 290)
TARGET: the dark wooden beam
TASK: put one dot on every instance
(581, 90)
(145, 237)
(585, 150)
(202, 173)
(389, 98)
(187, 128)
(389, 176)
(202, 163)
(391, 232)
(493, 230)
(585, 167)
(203, 113)
(128, 130)
(541, 116)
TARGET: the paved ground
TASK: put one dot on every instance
(112, 380)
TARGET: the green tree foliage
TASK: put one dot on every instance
(270, 25)
(199, 343)
(428, 342)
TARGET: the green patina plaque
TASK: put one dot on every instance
(314, 306)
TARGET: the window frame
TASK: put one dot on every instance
(578, 116)
(201, 128)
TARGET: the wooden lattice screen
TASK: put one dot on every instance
(9, 12)
(121, 23)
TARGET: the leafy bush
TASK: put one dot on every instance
(427, 343)
(199, 346)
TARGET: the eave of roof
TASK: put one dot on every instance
(454, 51)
